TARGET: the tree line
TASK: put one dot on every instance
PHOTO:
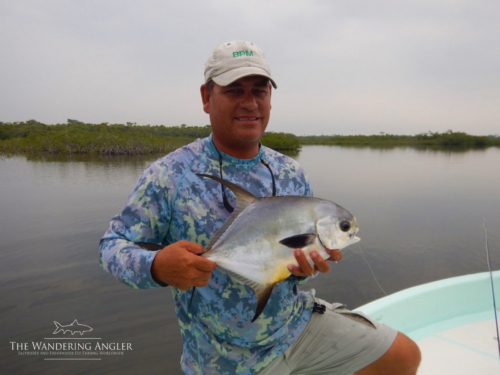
(85, 138)
(448, 139)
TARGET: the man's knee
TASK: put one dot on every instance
(402, 358)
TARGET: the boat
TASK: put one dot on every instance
(453, 321)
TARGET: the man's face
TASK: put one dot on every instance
(239, 113)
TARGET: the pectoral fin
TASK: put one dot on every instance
(299, 241)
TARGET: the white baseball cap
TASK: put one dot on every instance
(234, 60)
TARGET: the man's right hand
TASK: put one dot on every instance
(179, 265)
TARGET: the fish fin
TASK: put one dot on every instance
(262, 297)
(243, 196)
(262, 291)
(58, 328)
(149, 246)
(244, 199)
(299, 241)
(237, 276)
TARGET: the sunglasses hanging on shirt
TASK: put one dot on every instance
(227, 205)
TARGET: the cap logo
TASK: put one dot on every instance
(234, 60)
(242, 53)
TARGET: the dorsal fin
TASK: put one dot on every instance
(262, 291)
(244, 199)
(243, 196)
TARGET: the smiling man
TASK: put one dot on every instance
(239, 114)
(170, 205)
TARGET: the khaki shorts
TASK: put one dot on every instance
(336, 342)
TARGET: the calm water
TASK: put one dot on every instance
(421, 216)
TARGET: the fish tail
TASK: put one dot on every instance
(58, 328)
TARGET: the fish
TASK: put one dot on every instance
(81, 328)
(256, 243)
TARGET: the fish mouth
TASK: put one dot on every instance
(350, 240)
(354, 232)
(354, 240)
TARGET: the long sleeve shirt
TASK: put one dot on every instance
(171, 203)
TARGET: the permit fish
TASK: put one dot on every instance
(256, 242)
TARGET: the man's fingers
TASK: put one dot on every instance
(204, 264)
(335, 255)
(303, 263)
(319, 262)
(305, 269)
(200, 263)
(180, 265)
(192, 247)
(294, 270)
(201, 283)
(195, 278)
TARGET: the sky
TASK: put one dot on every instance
(342, 66)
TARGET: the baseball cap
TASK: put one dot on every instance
(234, 60)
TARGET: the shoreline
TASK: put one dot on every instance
(77, 138)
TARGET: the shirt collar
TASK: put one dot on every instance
(209, 144)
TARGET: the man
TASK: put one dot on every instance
(172, 206)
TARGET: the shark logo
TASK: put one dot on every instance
(73, 328)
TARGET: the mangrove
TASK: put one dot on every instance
(76, 137)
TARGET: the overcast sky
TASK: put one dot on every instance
(342, 67)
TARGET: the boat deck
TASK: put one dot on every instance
(467, 349)
(452, 321)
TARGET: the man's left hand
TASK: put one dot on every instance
(320, 265)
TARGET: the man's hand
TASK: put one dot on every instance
(179, 265)
(305, 269)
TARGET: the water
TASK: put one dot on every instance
(420, 212)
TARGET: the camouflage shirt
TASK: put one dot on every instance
(171, 203)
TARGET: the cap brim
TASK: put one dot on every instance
(229, 77)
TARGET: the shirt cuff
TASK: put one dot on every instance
(159, 282)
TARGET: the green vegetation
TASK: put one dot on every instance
(76, 137)
(280, 141)
(448, 139)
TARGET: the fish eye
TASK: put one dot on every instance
(345, 225)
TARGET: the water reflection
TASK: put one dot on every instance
(451, 149)
(291, 153)
(90, 158)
